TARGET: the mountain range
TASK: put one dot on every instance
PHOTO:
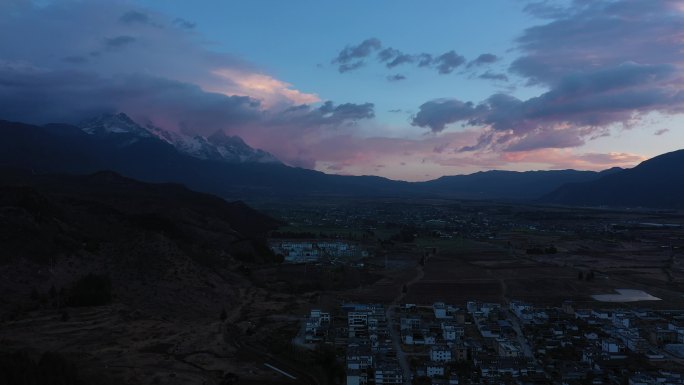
(228, 167)
(218, 146)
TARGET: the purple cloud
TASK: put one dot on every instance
(353, 57)
(602, 62)
(438, 113)
(447, 62)
(118, 41)
(396, 78)
(493, 76)
(483, 59)
(132, 17)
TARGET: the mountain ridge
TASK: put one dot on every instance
(657, 182)
(60, 148)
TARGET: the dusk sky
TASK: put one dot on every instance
(409, 90)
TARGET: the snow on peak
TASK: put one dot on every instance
(219, 146)
(113, 124)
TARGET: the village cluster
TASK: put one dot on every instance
(515, 343)
(303, 251)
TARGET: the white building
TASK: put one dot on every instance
(434, 369)
(440, 310)
(451, 332)
(440, 353)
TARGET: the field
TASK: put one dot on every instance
(501, 253)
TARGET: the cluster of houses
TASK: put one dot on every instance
(603, 346)
(315, 328)
(434, 336)
(370, 355)
(304, 251)
(516, 343)
(497, 348)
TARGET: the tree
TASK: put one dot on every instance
(35, 296)
(590, 275)
(91, 290)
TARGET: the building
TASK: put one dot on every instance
(434, 369)
(356, 377)
(388, 373)
(506, 348)
(440, 310)
(451, 332)
(440, 353)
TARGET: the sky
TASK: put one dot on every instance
(403, 89)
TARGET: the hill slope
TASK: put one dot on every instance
(127, 280)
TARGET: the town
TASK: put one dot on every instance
(514, 343)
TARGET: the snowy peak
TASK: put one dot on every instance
(233, 148)
(218, 147)
(113, 124)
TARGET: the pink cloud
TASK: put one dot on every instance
(564, 159)
(269, 90)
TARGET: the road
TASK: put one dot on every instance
(394, 335)
(396, 341)
(524, 344)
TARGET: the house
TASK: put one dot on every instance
(496, 367)
(460, 352)
(409, 323)
(356, 377)
(583, 314)
(451, 332)
(322, 317)
(453, 378)
(315, 326)
(506, 348)
(611, 345)
(440, 310)
(591, 336)
(660, 336)
(355, 318)
(434, 369)
(388, 373)
(601, 314)
(359, 357)
(440, 353)
(521, 310)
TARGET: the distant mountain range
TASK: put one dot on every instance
(657, 182)
(228, 167)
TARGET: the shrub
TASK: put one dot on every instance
(90, 290)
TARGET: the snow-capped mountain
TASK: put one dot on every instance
(108, 124)
(219, 146)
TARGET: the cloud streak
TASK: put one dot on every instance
(353, 57)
